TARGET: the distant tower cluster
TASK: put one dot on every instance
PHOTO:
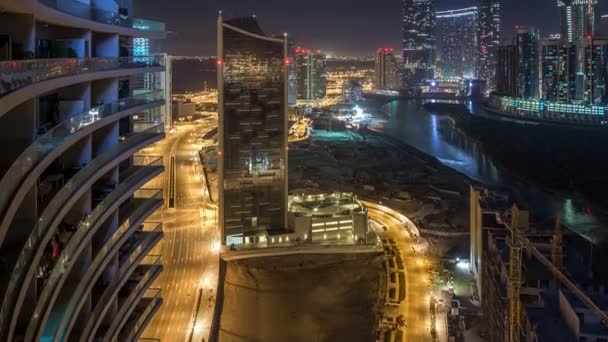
(571, 68)
(311, 70)
(418, 40)
(457, 41)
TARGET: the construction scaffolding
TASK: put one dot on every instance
(520, 241)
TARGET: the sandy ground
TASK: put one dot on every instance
(303, 298)
(347, 161)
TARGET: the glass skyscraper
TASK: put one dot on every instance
(489, 40)
(311, 71)
(418, 40)
(457, 39)
(252, 154)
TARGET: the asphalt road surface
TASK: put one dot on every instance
(188, 248)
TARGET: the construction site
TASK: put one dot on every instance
(535, 283)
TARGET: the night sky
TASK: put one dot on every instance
(346, 27)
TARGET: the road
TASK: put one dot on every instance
(416, 307)
(189, 252)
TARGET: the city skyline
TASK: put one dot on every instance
(338, 20)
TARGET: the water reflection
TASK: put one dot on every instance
(437, 135)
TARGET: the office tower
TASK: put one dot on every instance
(252, 153)
(74, 235)
(489, 39)
(457, 41)
(527, 45)
(506, 70)
(311, 71)
(558, 71)
(418, 40)
(387, 70)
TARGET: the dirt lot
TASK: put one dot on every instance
(303, 298)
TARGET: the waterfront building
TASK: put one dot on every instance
(505, 82)
(418, 40)
(388, 75)
(596, 72)
(74, 229)
(252, 108)
(558, 71)
(489, 40)
(561, 80)
(577, 21)
(457, 38)
(527, 45)
(311, 70)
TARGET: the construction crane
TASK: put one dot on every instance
(557, 252)
(515, 277)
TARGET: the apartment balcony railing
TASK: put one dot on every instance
(141, 316)
(150, 234)
(140, 173)
(102, 16)
(53, 214)
(128, 304)
(139, 266)
(37, 157)
(15, 75)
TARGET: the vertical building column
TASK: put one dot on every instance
(220, 117)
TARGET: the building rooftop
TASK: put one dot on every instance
(324, 205)
(249, 24)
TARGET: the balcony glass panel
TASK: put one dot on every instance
(84, 11)
(40, 234)
(15, 75)
(53, 138)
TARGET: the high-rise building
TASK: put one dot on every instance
(457, 41)
(418, 40)
(388, 75)
(489, 39)
(292, 87)
(74, 235)
(506, 70)
(528, 49)
(596, 72)
(252, 107)
(311, 70)
(577, 19)
(558, 71)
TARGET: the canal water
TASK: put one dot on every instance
(437, 135)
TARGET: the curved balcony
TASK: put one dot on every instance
(23, 80)
(73, 13)
(51, 217)
(141, 316)
(127, 305)
(140, 173)
(66, 316)
(148, 269)
(25, 171)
